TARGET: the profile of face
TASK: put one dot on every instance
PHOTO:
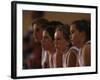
(75, 35)
(59, 40)
(37, 32)
(46, 40)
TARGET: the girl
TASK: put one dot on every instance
(38, 25)
(48, 46)
(48, 43)
(80, 37)
(62, 44)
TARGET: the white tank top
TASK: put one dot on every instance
(44, 57)
(66, 57)
(54, 60)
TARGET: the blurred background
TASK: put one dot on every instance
(65, 17)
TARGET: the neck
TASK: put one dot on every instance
(81, 44)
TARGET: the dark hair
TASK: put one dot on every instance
(51, 31)
(83, 25)
(52, 27)
(65, 30)
(41, 22)
(56, 23)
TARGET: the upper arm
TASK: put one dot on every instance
(86, 52)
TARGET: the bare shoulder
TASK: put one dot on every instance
(86, 52)
(72, 53)
(72, 58)
(73, 50)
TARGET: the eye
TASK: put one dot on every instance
(72, 32)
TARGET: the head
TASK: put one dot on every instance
(80, 32)
(38, 26)
(48, 37)
(62, 40)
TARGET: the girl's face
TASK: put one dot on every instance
(37, 32)
(60, 42)
(75, 35)
(46, 40)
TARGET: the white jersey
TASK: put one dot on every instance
(54, 60)
(64, 57)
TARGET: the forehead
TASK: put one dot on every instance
(73, 27)
(35, 26)
(58, 34)
(45, 33)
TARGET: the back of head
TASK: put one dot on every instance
(56, 23)
(42, 22)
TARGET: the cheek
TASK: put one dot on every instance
(58, 44)
(39, 34)
(75, 38)
(43, 42)
(47, 43)
(55, 43)
(44, 46)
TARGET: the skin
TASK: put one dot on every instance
(61, 45)
(47, 44)
(60, 42)
(79, 40)
(46, 41)
(75, 36)
(37, 32)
